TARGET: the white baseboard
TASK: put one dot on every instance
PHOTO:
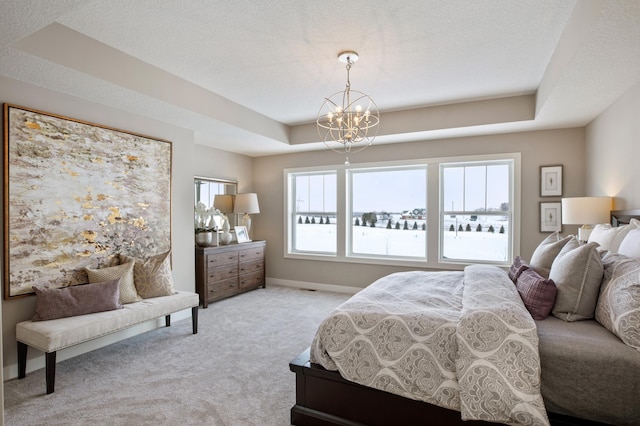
(313, 286)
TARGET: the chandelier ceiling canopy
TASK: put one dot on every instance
(348, 120)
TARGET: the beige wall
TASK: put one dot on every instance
(551, 147)
(214, 163)
(613, 150)
(188, 160)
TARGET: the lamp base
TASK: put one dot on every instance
(583, 233)
(246, 221)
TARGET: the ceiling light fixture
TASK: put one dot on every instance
(348, 120)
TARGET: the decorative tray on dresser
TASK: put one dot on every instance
(225, 271)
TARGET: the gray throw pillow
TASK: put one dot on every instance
(546, 252)
(53, 303)
(577, 272)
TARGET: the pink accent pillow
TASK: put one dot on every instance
(53, 303)
(537, 293)
(517, 267)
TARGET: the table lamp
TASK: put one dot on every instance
(246, 204)
(585, 211)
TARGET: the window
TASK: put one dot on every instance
(312, 207)
(424, 213)
(388, 211)
(476, 211)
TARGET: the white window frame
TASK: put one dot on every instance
(349, 203)
(291, 221)
(433, 239)
(444, 211)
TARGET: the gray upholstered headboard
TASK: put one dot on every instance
(623, 217)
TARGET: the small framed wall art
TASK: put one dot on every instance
(242, 236)
(551, 181)
(550, 217)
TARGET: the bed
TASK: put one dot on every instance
(571, 369)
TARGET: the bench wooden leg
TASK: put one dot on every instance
(194, 319)
(50, 370)
(167, 320)
(22, 360)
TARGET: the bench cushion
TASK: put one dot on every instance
(53, 335)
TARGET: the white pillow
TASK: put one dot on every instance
(630, 246)
(608, 237)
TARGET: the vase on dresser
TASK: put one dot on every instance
(205, 239)
(225, 236)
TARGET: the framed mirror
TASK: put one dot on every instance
(206, 190)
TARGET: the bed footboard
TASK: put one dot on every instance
(324, 398)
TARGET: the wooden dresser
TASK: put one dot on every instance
(224, 271)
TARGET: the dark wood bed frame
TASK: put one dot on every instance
(323, 397)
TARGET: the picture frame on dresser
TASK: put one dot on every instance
(242, 235)
(551, 181)
(550, 216)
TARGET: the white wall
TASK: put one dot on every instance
(613, 151)
(551, 147)
(188, 160)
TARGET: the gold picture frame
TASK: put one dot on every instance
(76, 194)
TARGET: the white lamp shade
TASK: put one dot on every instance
(223, 202)
(586, 210)
(246, 203)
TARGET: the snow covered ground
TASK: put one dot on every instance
(460, 245)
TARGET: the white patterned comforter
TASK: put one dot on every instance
(459, 340)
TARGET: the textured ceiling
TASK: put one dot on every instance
(249, 76)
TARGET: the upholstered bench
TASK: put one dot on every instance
(52, 335)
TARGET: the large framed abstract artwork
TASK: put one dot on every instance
(76, 194)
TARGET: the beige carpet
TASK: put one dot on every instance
(235, 371)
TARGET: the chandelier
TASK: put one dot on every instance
(348, 120)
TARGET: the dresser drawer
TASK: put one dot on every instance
(223, 272)
(252, 254)
(252, 267)
(218, 259)
(222, 289)
(251, 281)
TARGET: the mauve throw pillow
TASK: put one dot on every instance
(577, 272)
(517, 267)
(537, 293)
(546, 252)
(53, 303)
